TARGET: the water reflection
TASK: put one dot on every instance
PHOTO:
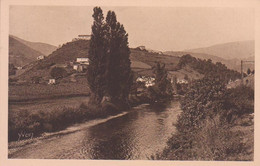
(137, 135)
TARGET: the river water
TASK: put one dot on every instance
(137, 134)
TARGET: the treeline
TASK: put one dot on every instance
(208, 68)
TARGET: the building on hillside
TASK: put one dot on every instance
(83, 61)
(19, 68)
(51, 81)
(141, 47)
(149, 81)
(78, 67)
(182, 81)
(84, 37)
(40, 57)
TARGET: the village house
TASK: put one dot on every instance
(149, 81)
(78, 67)
(83, 61)
(51, 81)
(182, 81)
(40, 57)
(19, 68)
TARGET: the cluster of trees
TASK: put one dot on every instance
(109, 74)
(58, 72)
(208, 68)
(162, 88)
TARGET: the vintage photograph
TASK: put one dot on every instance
(131, 83)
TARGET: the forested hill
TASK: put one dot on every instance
(208, 68)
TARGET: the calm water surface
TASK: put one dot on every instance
(138, 134)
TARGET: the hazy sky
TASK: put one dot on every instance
(158, 28)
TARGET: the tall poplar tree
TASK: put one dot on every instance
(109, 72)
(97, 57)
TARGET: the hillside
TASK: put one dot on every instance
(229, 54)
(232, 50)
(63, 55)
(43, 48)
(20, 54)
(141, 61)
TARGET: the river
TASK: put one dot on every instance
(135, 134)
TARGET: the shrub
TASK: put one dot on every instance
(58, 72)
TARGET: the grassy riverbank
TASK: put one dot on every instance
(37, 122)
(55, 115)
(216, 124)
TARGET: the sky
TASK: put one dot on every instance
(158, 28)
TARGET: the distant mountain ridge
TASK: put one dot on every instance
(43, 48)
(228, 51)
(229, 54)
(22, 52)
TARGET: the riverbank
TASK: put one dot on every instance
(18, 146)
(32, 118)
(24, 124)
(214, 141)
(216, 124)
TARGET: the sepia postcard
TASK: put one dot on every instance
(129, 83)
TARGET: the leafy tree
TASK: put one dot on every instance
(119, 73)
(204, 99)
(162, 88)
(58, 72)
(97, 56)
(109, 72)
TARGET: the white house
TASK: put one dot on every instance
(84, 37)
(83, 61)
(78, 67)
(19, 68)
(182, 81)
(51, 81)
(40, 57)
(149, 81)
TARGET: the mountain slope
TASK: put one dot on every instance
(43, 48)
(20, 54)
(232, 50)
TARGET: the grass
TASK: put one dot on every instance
(35, 91)
(37, 122)
(215, 140)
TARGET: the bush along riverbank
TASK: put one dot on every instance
(34, 123)
(216, 124)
